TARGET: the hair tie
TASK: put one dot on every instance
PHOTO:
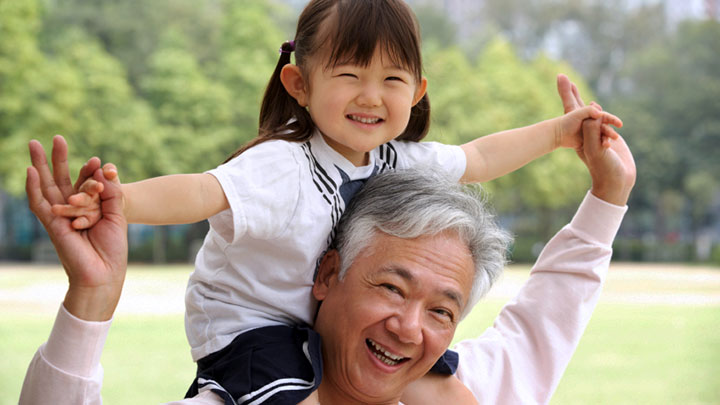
(287, 47)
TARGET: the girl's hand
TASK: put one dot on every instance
(568, 133)
(84, 206)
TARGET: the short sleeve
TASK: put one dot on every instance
(262, 189)
(450, 158)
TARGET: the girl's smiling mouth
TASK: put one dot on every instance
(364, 120)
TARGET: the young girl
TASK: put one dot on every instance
(354, 104)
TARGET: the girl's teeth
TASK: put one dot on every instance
(365, 120)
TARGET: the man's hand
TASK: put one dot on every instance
(569, 133)
(609, 161)
(95, 260)
(612, 168)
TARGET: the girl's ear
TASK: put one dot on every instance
(327, 274)
(420, 91)
(294, 83)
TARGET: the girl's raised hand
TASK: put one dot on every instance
(569, 129)
(84, 206)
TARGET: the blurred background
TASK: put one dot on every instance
(170, 86)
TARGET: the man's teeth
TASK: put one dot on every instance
(364, 120)
(383, 355)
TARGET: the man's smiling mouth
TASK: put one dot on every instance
(383, 355)
(364, 120)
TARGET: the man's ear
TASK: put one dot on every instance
(420, 91)
(294, 83)
(327, 274)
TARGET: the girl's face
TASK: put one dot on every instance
(357, 108)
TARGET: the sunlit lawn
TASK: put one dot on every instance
(654, 338)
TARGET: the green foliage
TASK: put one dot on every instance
(154, 87)
(499, 91)
(671, 106)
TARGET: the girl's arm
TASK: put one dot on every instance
(174, 199)
(166, 200)
(492, 156)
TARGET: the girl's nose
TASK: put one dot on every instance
(370, 96)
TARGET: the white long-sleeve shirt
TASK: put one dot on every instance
(519, 360)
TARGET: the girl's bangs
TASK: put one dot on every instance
(356, 30)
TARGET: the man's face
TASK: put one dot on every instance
(393, 315)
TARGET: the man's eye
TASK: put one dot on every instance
(391, 287)
(444, 313)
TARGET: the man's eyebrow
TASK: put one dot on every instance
(449, 293)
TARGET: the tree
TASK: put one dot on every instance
(194, 110)
(671, 103)
(497, 92)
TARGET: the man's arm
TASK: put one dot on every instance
(66, 369)
(95, 262)
(523, 356)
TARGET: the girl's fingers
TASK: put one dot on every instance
(91, 187)
(81, 223)
(612, 120)
(110, 172)
(82, 200)
(70, 211)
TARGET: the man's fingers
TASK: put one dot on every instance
(609, 132)
(564, 88)
(61, 173)
(111, 196)
(592, 139)
(576, 94)
(36, 201)
(47, 183)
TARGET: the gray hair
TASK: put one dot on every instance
(412, 203)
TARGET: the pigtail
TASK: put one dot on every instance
(281, 117)
(419, 123)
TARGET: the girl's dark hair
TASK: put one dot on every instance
(353, 29)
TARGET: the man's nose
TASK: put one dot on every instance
(370, 95)
(406, 324)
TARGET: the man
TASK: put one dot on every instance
(389, 308)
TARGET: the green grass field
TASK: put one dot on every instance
(654, 338)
